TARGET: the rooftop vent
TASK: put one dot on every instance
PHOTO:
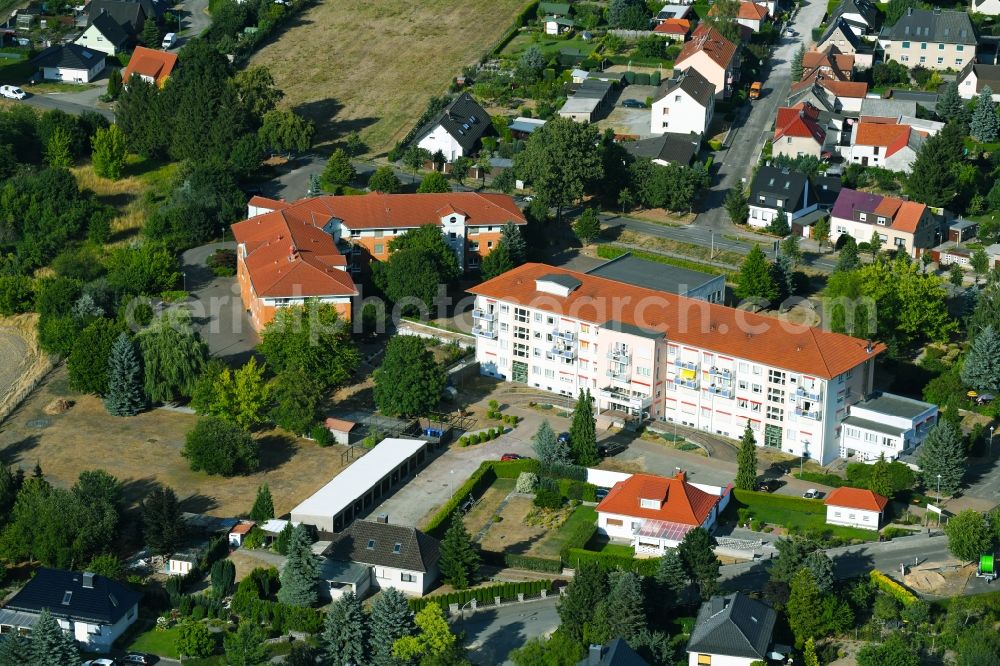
(88, 580)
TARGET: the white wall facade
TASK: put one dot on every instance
(703, 659)
(967, 87)
(851, 517)
(67, 75)
(440, 139)
(94, 39)
(678, 113)
(99, 637)
(412, 583)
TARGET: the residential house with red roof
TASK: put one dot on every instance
(648, 354)
(150, 65)
(653, 513)
(713, 56)
(797, 131)
(673, 28)
(902, 225)
(884, 143)
(855, 507)
(748, 14)
(312, 248)
(827, 92)
(829, 63)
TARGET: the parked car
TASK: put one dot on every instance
(169, 40)
(602, 493)
(812, 493)
(603, 451)
(101, 662)
(769, 485)
(12, 92)
(138, 658)
(755, 90)
(507, 457)
(633, 104)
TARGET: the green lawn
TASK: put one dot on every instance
(549, 46)
(602, 545)
(161, 643)
(554, 543)
(794, 513)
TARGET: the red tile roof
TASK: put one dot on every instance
(258, 201)
(708, 39)
(856, 498)
(892, 137)
(157, 65)
(243, 527)
(801, 121)
(687, 321)
(747, 10)
(856, 89)
(909, 216)
(681, 502)
(674, 26)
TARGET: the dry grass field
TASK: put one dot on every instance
(145, 450)
(371, 66)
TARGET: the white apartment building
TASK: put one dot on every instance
(886, 424)
(646, 354)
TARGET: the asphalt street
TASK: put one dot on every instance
(492, 634)
(55, 101)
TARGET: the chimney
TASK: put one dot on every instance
(870, 347)
(681, 475)
(382, 518)
(88, 580)
(293, 253)
(594, 655)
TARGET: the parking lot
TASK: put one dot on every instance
(624, 120)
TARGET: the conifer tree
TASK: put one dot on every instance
(797, 63)
(344, 638)
(459, 563)
(301, 571)
(263, 506)
(388, 620)
(756, 277)
(671, 572)
(583, 431)
(50, 645)
(125, 393)
(821, 568)
(699, 560)
(809, 653)
(517, 249)
(576, 609)
(746, 460)
(848, 259)
(548, 448)
(950, 105)
(880, 480)
(985, 124)
(497, 262)
(942, 453)
(621, 613)
(981, 369)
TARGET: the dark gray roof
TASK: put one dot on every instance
(735, 625)
(64, 594)
(661, 277)
(863, 8)
(69, 56)
(775, 185)
(376, 543)
(593, 89)
(631, 329)
(566, 281)
(463, 119)
(615, 653)
(675, 148)
(874, 426)
(960, 223)
(691, 82)
(816, 95)
(845, 29)
(895, 405)
(932, 25)
(129, 15)
(111, 29)
(826, 189)
(986, 75)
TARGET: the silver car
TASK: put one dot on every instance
(12, 92)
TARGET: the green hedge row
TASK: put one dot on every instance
(506, 592)
(532, 563)
(764, 500)
(574, 557)
(525, 16)
(560, 471)
(474, 485)
(892, 588)
(831, 480)
(578, 490)
(578, 537)
(511, 469)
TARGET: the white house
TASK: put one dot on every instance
(239, 532)
(893, 146)
(557, 25)
(93, 609)
(855, 507)
(734, 630)
(456, 129)
(683, 105)
(777, 193)
(70, 63)
(653, 513)
(974, 77)
(401, 557)
(885, 425)
(105, 35)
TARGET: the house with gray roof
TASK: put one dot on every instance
(779, 193)
(734, 630)
(841, 35)
(615, 653)
(590, 101)
(396, 556)
(861, 15)
(69, 63)
(932, 38)
(974, 77)
(667, 148)
(105, 35)
(456, 130)
(683, 104)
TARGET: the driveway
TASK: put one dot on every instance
(216, 308)
(64, 102)
(194, 20)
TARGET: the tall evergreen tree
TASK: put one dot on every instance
(497, 262)
(699, 560)
(301, 571)
(576, 609)
(756, 277)
(981, 369)
(621, 613)
(263, 506)
(942, 454)
(389, 620)
(746, 461)
(344, 637)
(821, 568)
(583, 431)
(517, 249)
(125, 394)
(163, 525)
(671, 572)
(50, 645)
(950, 105)
(804, 603)
(15, 650)
(985, 124)
(797, 63)
(548, 448)
(932, 179)
(848, 259)
(459, 563)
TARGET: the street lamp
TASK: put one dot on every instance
(184, 281)
(939, 489)
(991, 441)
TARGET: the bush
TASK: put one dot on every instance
(218, 447)
(222, 262)
(532, 563)
(892, 588)
(574, 557)
(526, 483)
(547, 495)
(321, 435)
(578, 490)
(714, 144)
(831, 480)
(560, 471)
(484, 595)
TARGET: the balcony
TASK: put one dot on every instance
(619, 375)
(564, 335)
(619, 356)
(618, 396)
(720, 372)
(561, 352)
(483, 314)
(686, 383)
(686, 365)
(804, 393)
(483, 332)
(725, 392)
(813, 414)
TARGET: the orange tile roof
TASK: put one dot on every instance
(708, 39)
(857, 89)
(674, 26)
(856, 498)
(687, 321)
(157, 65)
(243, 527)
(258, 201)
(751, 11)
(800, 121)
(339, 424)
(909, 216)
(681, 502)
(892, 137)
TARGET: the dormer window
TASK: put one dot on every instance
(881, 221)
(452, 220)
(653, 504)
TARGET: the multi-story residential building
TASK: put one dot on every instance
(683, 105)
(905, 225)
(886, 425)
(456, 130)
(713, 56)
(797, 132)
(829, 63)
(777, 193)
(644, 354)
(311, 248)
(932, 38)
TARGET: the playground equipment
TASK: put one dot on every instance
(987, 569)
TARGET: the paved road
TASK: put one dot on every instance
(492, 634)
(195, 20)
(64, 103)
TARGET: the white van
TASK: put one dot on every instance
(169, 40)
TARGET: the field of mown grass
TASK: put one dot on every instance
(371, 66)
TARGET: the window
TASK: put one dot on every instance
(614, 522)
(865, 518)
(407, 578)
(775, 395)
(521, 315)
(904, 58)
(941, 46)
(776, 377)
(836, 514)
(960, 48)
(923, 47)
(704, 660)
(649, 504)
(474, 247)
(677, 98)
(906, 45)
(550, 374)
(520, 350)
(371, 544)
(742, 403)
(940, 61)
(755, 407)
(923, 59)
(863, 217)
(743, 384)
(489, 244)
(378, 233)
(379, 248)
(644, 372)
(775, 413)
(396, 549)
(67, 597)
(756, 388)
(520, 333)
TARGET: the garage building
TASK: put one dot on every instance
(359, 488)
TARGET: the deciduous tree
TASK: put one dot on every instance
(559, 160)
(194, 640)
(756, 278)
(338, 171)
(410, 380)
(241, 398)
(173, 356)
(247, 645)
(88, 362)
(433, 637)
(218, 447)
(286, 132)
(435, 181)
(311, 338)
(969, 535)
(497, 262)
(384, 181)
(109, 152)
(296, 401)
(587, 227)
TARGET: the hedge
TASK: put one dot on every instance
(577, 490)
(560, 471)
(532, 563)
(476, 484)
(511, 469)
(831, 480)
(574, 557)
(578, 536)
(484, 594)
(892, 588)
(766, 500)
